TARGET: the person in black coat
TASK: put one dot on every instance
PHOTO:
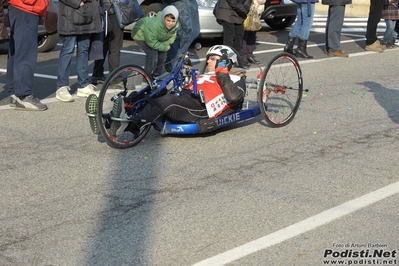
(77, 21)
(335, 21)
(231, 15)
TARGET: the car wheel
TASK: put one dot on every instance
(152, 9)
(280, 23)
(47, 42)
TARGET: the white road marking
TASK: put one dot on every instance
(301, 227)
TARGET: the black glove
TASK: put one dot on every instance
(224, 60)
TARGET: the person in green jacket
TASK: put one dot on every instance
(155, 35)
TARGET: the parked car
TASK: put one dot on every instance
(277, 15)
(45, 41)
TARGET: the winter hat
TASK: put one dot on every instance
(170, 10)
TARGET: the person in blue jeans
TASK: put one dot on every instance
(22, 53)
(77, 21)
(301, 28)
(188, 31)
(391, 15)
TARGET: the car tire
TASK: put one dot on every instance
(47, 42)
(152, 9)
(280, 23)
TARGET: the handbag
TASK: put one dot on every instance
(252, 22)
(127, 11)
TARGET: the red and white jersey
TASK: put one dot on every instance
(215, 102)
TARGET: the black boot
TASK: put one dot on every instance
(290, 45)
(301, 50)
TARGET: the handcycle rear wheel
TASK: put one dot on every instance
(125, 81)
(280, 90)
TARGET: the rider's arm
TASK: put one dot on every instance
(234, 91)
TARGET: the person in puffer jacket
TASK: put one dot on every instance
(155, 35)
(77, 21)
(301, 28)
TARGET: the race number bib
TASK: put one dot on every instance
(216, 105)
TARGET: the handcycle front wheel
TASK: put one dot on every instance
(129, 82)
(280, 90)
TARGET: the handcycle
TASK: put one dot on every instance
(279, 93)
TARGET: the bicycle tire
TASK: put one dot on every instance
(280, 90)
(125, 81)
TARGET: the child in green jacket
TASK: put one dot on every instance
(155, 35)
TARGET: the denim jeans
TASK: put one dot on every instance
(389, 34)
(82, 59)
(188, 30)
(22, 51)
(303, 22)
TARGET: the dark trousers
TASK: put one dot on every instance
(248, 44)
(335, 21)
(233, 35)
(112, 47)
(184, 108)
(22, 51)
(375, 12)
(154, 60)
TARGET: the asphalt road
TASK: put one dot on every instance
(324, 187)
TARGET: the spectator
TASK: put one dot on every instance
(112, 46)
(335, 21)
(301, 28)
(22, 52)
(231, 14)
(249, 41)
(391, 15)
(188, 30)
(372, 42)
(155, 36)
(77, 21)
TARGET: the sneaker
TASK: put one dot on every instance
(396, 42)
(13, 100)
(62, 94)
(29, 103)
(91, 111)
(97, 80)
(389, 45)
(86, 91)
(375, 47)
(382, 45)
(118, 111)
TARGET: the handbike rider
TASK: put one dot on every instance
(222, 89)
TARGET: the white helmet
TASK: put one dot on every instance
(222, 49)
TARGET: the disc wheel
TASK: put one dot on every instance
(280, 90)
(130, 82)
